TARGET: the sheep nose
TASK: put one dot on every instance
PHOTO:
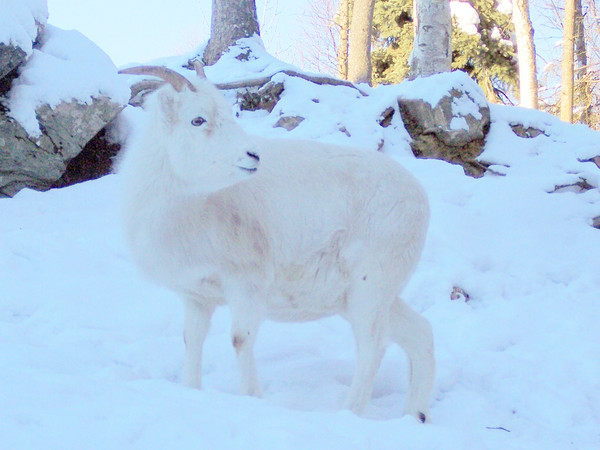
(253, 156)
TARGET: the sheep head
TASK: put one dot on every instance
(193, 124)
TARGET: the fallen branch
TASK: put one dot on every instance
(258, 82)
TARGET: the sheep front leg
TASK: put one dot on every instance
(195, 329)
(244, 331)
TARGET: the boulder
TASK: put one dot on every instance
(40, 162)
(11, 57)
(453, 130)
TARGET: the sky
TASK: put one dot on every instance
(142, 30)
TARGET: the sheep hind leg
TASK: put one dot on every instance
(370, 326)
(413, 333)
(196, 325)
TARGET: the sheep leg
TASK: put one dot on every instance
(195, 328)
(370, 330)
(244, 331)
(413, 333)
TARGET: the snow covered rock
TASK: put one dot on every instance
(21, 22)
(452, 126)
(65, 93)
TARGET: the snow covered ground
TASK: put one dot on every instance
(91, 353)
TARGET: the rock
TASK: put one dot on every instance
(39, 163)
(70, 126)
(11, 57)
(454, 130)
(265, 98)
(459, 293)
(288, 122)
(25, 162)
(525, 132)
(385, 119)
(94, 161)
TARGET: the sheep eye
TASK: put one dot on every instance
(198, 121)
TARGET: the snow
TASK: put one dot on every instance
(466, 16)
(66, 67)
(18, 22)
(91, 353)
(504, 6)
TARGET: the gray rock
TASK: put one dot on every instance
(435, 133)
(11, 57)
(25, 162)
(288, 122)
(70, 126)
(525, 132)
(38, 163)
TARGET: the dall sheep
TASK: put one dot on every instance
(279, 229)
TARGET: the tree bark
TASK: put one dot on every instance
(344, 24)
(231, 20)
(359, 50)
(432, 49)
(528, 86)
(566, 93)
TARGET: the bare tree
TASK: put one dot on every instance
(432, 52)
(231, 20)
(567, 66)
(528, 86)
(343, 21)
(319, 37)
(359, 50)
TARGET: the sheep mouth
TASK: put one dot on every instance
(249, 170)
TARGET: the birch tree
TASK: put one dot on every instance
(359, 49)
(432, 51)
(231, 20)
(528, 86)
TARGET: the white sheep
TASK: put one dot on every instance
(277, 229)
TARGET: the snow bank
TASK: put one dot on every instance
(67, 67)
(18, 22)
(91, 354)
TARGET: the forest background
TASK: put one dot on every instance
(306, 33)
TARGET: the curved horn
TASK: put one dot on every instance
(199, 68)
(176, 80)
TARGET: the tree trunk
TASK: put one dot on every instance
(343, 18)
(359, 50)
(432, 51)
(566, 93)
(583, 91)
(528, 86)
(231, 20)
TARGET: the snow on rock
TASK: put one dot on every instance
(19, 21)
(67, 67)
(91, 353)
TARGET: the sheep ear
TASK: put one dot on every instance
(168, 106)
(199, 68)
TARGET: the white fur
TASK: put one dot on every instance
(317, 230)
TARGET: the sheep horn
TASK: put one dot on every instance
(199, 67)
(176, 80)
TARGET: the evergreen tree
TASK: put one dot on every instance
(487, 56)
